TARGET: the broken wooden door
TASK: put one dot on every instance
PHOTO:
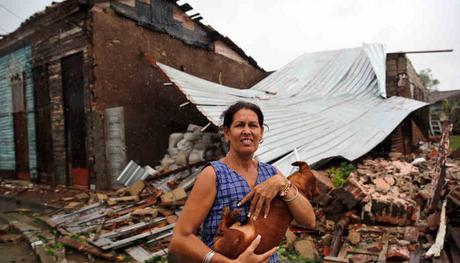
(21, 144)
(43, 125)
(74, 115)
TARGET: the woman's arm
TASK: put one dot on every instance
(263, 194)
(185, 246)
(300, 207)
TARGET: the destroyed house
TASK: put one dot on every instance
(320, 106)
(81, 94)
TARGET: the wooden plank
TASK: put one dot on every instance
(106, 243)
(330, 259)
(138, 253)
(436, 248)
(128, 229)
(79, 246)
(131, 239)
(383, 254)
(165, 235)
(59, 219)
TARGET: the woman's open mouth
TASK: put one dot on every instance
(246, 141)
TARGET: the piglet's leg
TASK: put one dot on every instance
(228, 219)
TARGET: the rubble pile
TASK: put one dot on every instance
(139, 218)
(385, 212)
(192, 146)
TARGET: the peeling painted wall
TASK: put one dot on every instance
(17, 63)
(50, 35)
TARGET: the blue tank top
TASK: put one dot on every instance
(230, 189)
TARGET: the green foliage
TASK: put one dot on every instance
(157, 259)
(79, 238)
(427, 78)
(340, 174)
(454, 142)
(54, 248)
(451, 110)
(289, 254)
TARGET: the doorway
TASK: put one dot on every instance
(74, 115)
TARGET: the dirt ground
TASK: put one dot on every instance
(14, 252)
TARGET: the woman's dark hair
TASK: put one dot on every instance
(230, 112)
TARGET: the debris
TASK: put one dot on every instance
(396, 253)
(102, 197)
(290, 237)
(381, 185)
(418, 161)
(433, 220)
(171, 219)
(145, 211)
(72, 205)
(306, 248)
(80, 246)
(139, 254)
(136, 188)
(340, 227)
(435, 249)
(111, 240)
(132, 173)
(6, 238)
(82, 196)
(440, 167)
(4, 228)
(175, 195)
(375, 246)
(354, 237)
(116, 200)
(411, 233)
(395, 155)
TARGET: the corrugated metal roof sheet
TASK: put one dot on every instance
(323, 104)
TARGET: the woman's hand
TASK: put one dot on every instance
(249, 256)
(262, 196)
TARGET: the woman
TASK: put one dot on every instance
(233, 182)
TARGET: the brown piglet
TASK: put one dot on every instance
(232, 238)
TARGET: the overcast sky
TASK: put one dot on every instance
(275, 32)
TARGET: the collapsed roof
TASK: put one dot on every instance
(321, 105)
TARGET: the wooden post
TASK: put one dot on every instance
(338, 233)
(440, 168)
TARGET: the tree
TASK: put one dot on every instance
(451, 110)
(427, 78)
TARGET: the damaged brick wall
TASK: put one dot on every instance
(115, 73)
(124, 78)
(402, 80)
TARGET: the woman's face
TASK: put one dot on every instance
(245, 132)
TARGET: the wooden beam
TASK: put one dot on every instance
(436, 248)
(422, 51)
